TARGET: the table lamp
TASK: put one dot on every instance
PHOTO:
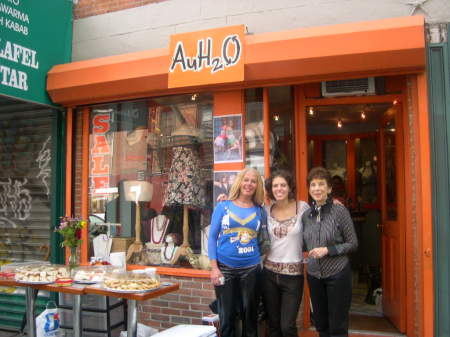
(137, 191)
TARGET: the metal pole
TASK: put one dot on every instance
(30, 297)
(132, 318)
(77, 326)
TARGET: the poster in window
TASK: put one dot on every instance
(227, 135)
(222, 184)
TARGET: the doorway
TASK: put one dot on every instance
(359, 144)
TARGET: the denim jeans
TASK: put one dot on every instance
(331, 298)
(282, 297)
(238, 296)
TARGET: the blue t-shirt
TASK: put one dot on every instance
(233, 235)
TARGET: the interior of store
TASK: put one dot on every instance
(349, 140)
(345, 139)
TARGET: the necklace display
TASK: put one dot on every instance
(169, 253)
(158, 228)
(172, 249)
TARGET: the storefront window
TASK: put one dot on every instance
(282, 138)
(254, 129)
(156, 153)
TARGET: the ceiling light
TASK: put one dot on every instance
(395, 102)
(339, 123)
(363, 115)
(276, 117)
(311, 111)
(194, 97)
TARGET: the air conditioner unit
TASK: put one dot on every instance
(359, 86)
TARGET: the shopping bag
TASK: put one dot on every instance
(47, 323)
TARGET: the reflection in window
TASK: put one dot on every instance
(281, 107)
(367, 169)
(164, 141)
(389, 157)
(254, 129)
(311, 146)
(335, 158)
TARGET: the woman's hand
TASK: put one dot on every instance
(222, 197)
(216, 276)
(318, 253)
(337, 202)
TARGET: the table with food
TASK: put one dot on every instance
(106, 280)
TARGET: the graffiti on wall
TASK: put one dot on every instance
(43, 160)
(15, 199)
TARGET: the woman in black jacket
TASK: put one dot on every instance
(328, 237)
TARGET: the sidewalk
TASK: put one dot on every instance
(9, 334)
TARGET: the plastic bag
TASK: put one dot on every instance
(48, 323)
(378, 295)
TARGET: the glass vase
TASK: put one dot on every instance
(74, 258)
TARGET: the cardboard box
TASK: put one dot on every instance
(121, 244)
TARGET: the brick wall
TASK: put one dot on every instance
(186, 306)
(85, 8)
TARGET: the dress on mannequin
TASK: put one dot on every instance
(130, 153)
(185, 186)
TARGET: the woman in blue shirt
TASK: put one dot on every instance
(234, 253)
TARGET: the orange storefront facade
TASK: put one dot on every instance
(282, 81)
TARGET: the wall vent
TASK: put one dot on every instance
(359, 86)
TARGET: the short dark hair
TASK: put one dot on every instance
(286, 176)
(319, 173)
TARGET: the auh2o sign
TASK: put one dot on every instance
(207, 57)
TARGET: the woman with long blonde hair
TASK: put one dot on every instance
(234, 252)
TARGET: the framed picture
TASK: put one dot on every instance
(227, 135)
(222, 184)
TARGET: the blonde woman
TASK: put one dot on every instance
(234, 253)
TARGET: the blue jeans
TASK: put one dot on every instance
(282, 297)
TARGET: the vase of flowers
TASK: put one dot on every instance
(70, 229)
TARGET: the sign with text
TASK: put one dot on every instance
(35, 35)
(207, 57)
(100, 151)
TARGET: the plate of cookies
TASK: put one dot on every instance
(130, 282)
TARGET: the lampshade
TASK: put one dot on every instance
(136, 190)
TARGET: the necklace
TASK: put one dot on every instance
(159, 225)
(169, 258)
(244, 204)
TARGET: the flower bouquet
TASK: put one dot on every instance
(70, 229)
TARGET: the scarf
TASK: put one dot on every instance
(317, 211)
